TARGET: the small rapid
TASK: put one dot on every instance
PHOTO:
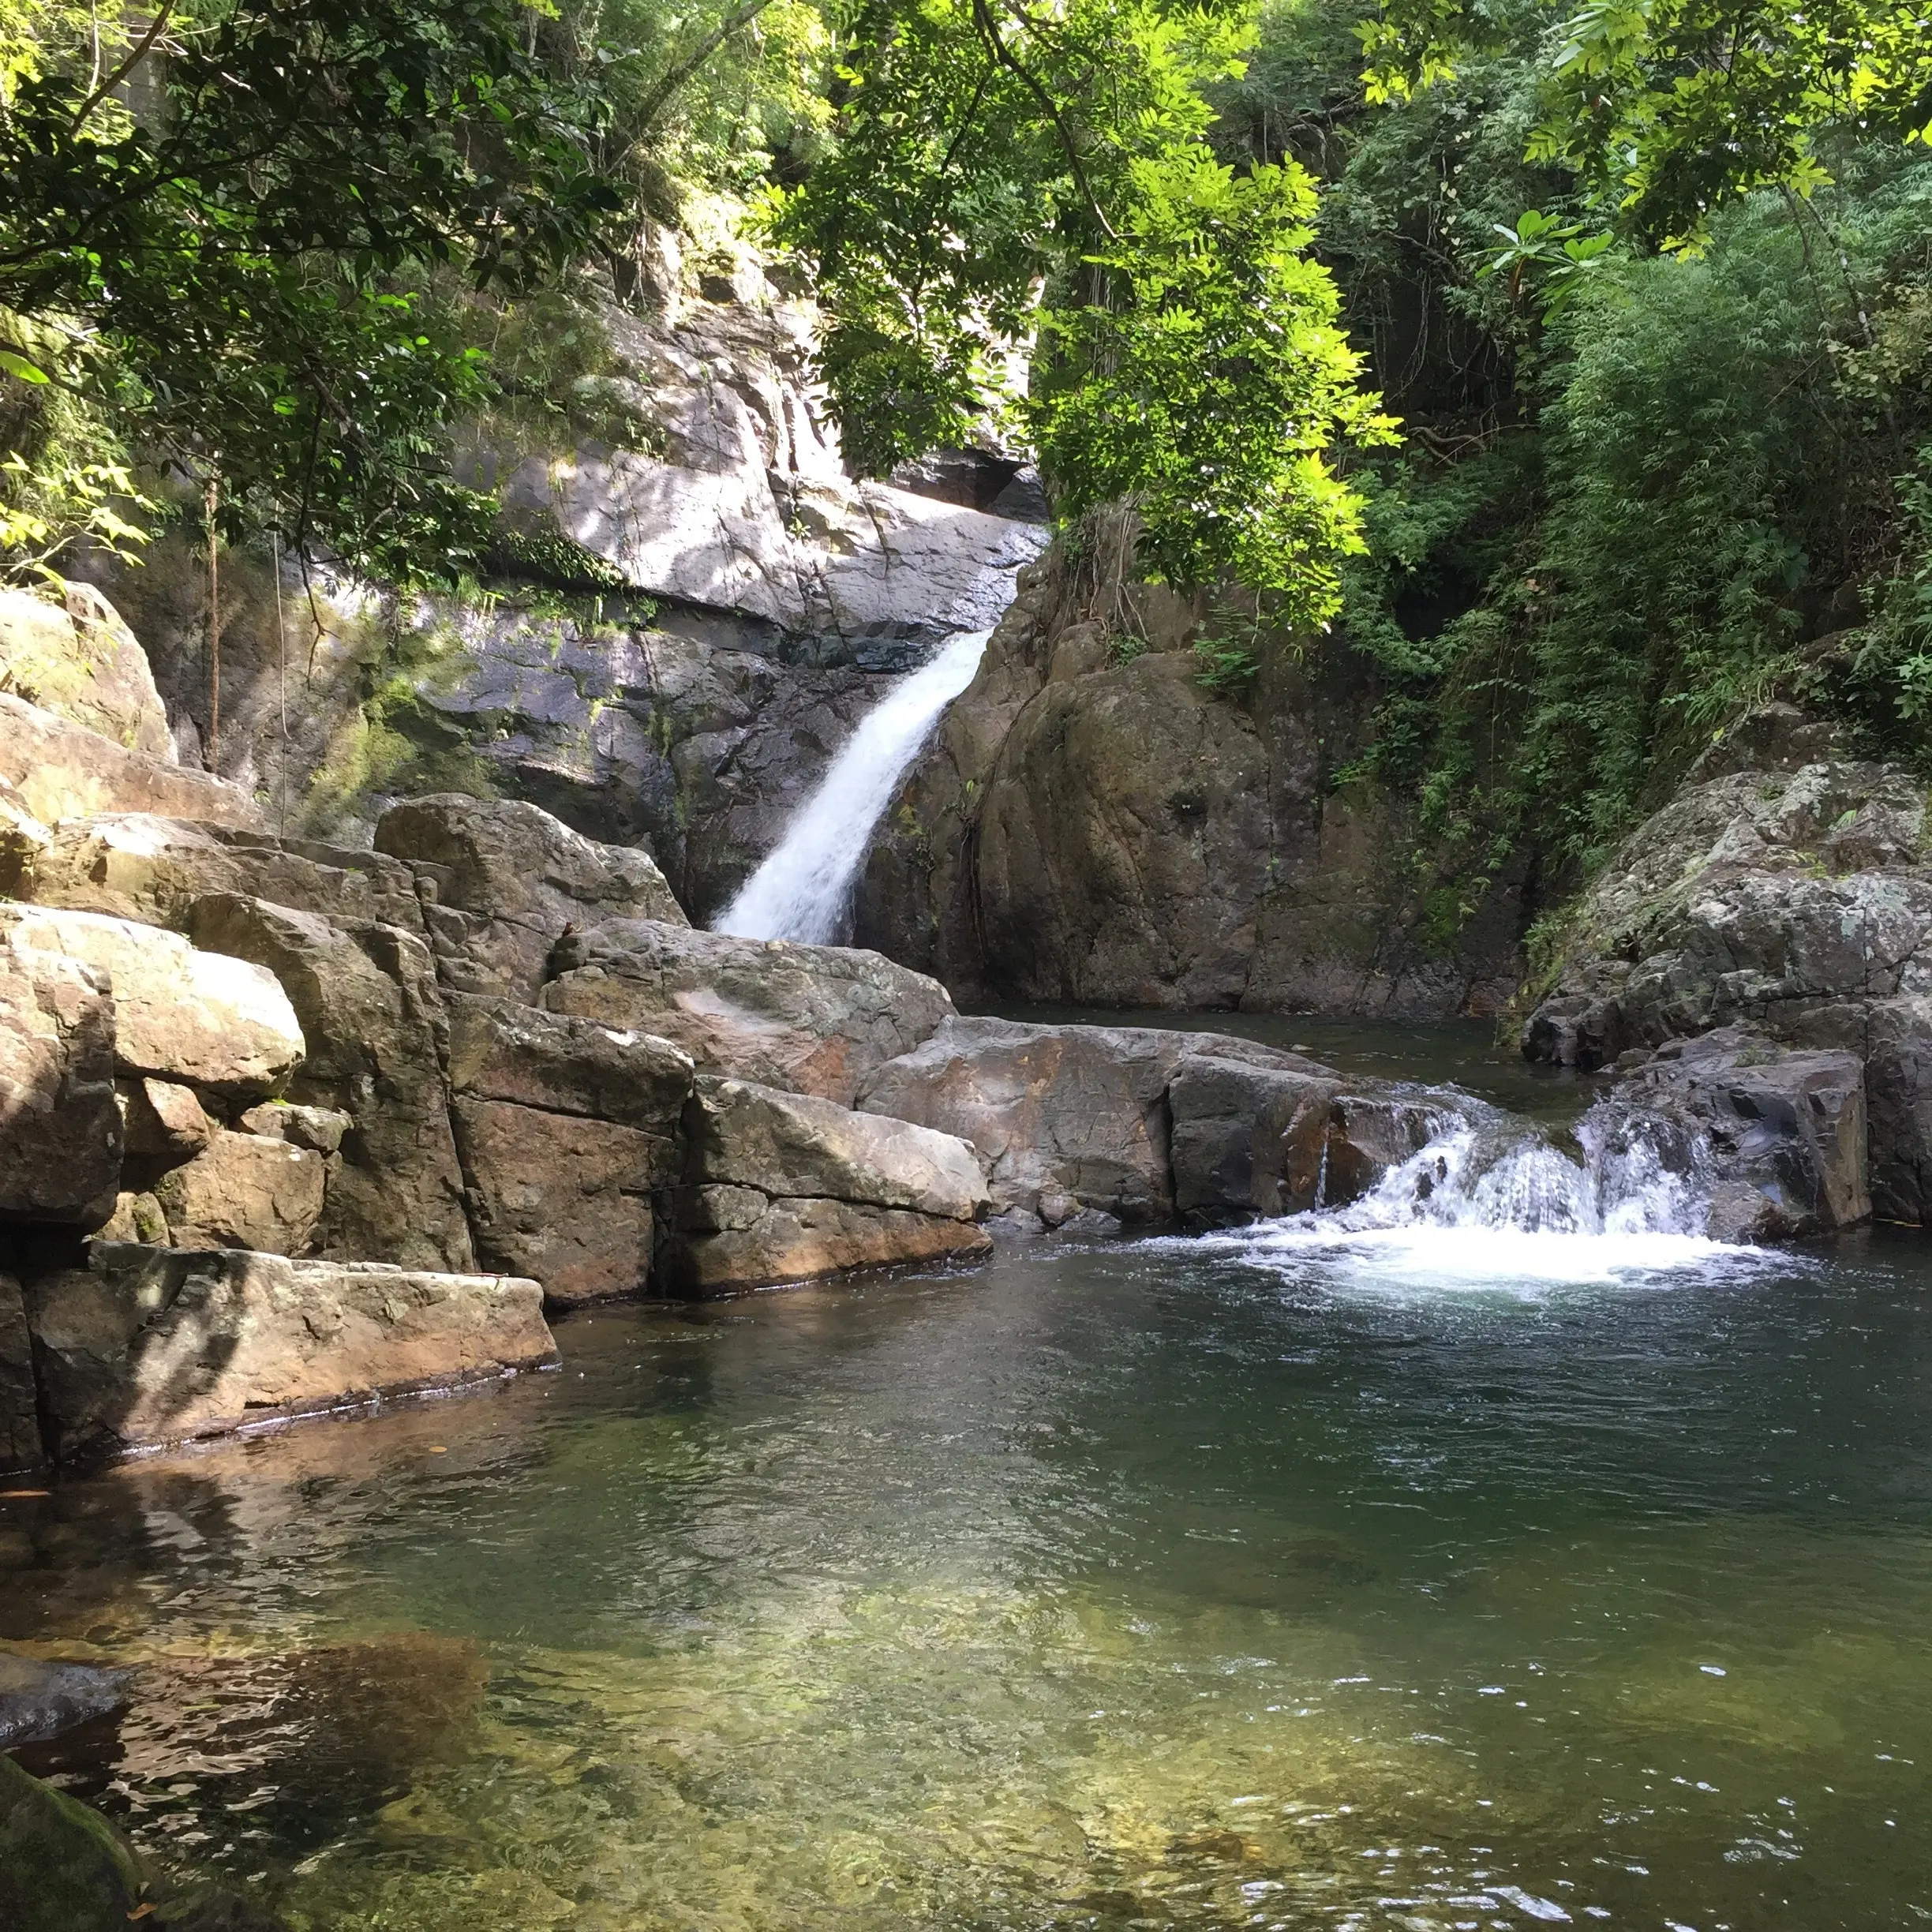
(803, 889)
(1492, 1202)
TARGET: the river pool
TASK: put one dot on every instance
(1147, 1583)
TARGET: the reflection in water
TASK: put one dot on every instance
(1159, 1584)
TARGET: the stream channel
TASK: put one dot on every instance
(1285, 1578)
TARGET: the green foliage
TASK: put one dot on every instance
(1209, 398)
(241, 271)
(1188, 365)
(1670, 107)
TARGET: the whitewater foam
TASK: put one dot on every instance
(1491, 1203)
(803, 889)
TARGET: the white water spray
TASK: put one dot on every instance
(1492, 1203)
(803, 889)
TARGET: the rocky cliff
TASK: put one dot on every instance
(686, 622)
(1094, 823)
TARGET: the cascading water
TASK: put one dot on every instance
(803, 890)
(1492, 1202)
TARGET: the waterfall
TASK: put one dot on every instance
(803, 888)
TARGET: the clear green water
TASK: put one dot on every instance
(1147, 1585)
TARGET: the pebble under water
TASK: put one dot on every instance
(1243, 1583)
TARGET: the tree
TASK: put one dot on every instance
(1012, 184)
(1668, 106)
(241, 268)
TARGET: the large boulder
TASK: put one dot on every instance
(60, 1128)
(377, 1033)
(76, 659)
(814, 1019)
(63, 770)
(1796, 902)
(218, 1024)
(782, 1186)
(510, 880)
(1247, 1140)
(63, 1868)
(20, 1413)
(151, 1345)
(1077, 1111)
(1752, 898)
(565, 1129)
(245, 1191)
(1782, 1133)
(137, 866)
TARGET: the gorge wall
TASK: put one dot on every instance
(1092, 822)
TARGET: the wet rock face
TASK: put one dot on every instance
(781, 1186)
(148, 1345)
(1796, 904)
(1784, 1131)
(808, 1018)
(20, 1446)
(1090, 823)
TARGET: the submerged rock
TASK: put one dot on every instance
(781, 1186)
(147, 1345)
(815, 1019)
(63, 1868)
(39, 1700)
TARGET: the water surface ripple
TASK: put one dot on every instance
(1260, 1581)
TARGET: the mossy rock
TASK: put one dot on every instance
(63, 1868)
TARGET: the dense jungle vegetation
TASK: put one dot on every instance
(1565, 366)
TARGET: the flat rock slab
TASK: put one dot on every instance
(147, 1345)
(816, 1020)
(63, 770)
(141, 866)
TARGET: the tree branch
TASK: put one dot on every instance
(669, 82)
(127, 66)
(990, 32)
